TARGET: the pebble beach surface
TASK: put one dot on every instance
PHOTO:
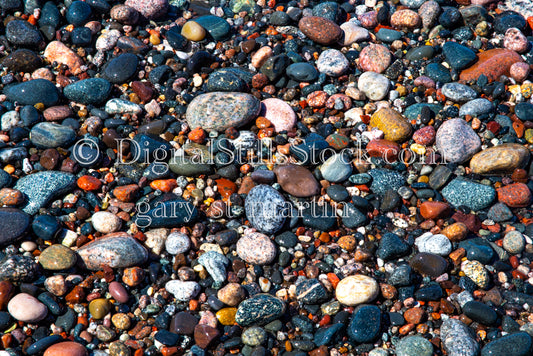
(266, 177)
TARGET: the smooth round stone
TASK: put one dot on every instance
(414, 345)
(436, 244)
(124, 14)
(476, 272)
(256, 248)
(99, 308)
(514, 242)
(374, 85)
(475, 196)
(193, 31)
(456, 141)
(118, 292)
(499, 212)
(332, 62)
(457, 338)
(391, 246)
(40, 188)
(51, 135)
(476, 107)
(428, 264)
(92, 91)
(13, 224)
(353, 33)
(219, 111)
(260, 309)
(438, 73)
(480, 312)
(507, 20)
(33, 92)
(458, 56)
(458, 92)
(225, 81)
(177, 242)
(394, 126)
(297, 180)
(78, 13)
(501, 159)
(26, 308)
(22, 60)
(265, 208)
(320, 30)
(279, 113)
(365, 324)
(388, 35)
(328, 10)
(280, 18)
(106, 222)
(375, 58)
(57, 258)
(151, 9)
(310, 291)
(515, 40)
(66, 348)
(183, 323)
(302, 72)
(183, 290)
(254, 336)
(216, 26)
(231, 294)
(336, 169)
(118, 250)
(524, 111)
(405, 19)
(337, 192)
(120, 69)
(357, 289)
(22, 33)
(517, 344)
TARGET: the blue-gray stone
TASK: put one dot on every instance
(458, 339)
(311, 291)
(266, 208)
(392, 246)
(475, 196)
(388, 35)
(365, 324)
(166, 211)
(458, 56)
(324, 336)
(33, 92)
(476, 107)
(50, 15)
(524, 111)
(384, 179)
(22, 33)
(121, 69)
(302, 72)
(259, 309)
(13, 224)
(42, 344)
(225, 81)
(51, 135)
(336, 169)
(438, 73)
(78, 13)
(40, 188)
(518, 344)
(352, 217)
(414, 345)
(215, 264)
(328, 10)
(91, 91)
(458, 92)
(217, 27)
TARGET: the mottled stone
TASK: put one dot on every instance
(58, 52)
(475, 196)
(493, 63)
(394, 126)
(297, 180)
(279, 113)
(256, 248)
(266, 209)
(501, 159)
(516, 195)
(357, 289)
(456, 141)
(57, 258)
(259, 309)
(320, 30)
(375, 58)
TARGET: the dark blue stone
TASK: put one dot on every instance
(438, 73)
(507, 20)
(365, 324)
(81, 36)
(430, 292)
(302, 72)
(324, 336)
(22, 33)
(480, 312)
(121, 69)
(217, 27)
(44, 343)
(78, 13)
(50, 15)
(458, 56)
(48, 300)
(524, 111)
(225, 81)
(88, 91)
(167, 338)
(392, 246)
(518, 344)
(149, 148)
(45, 226)
(33, 92)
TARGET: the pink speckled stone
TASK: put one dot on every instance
(151, 9)
(515, 40)
(425, 136)
(369, 19)
(279, 113)
(374, 58)
(519, 71)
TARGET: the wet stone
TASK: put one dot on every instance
(57, 258)
(88, 91)
(265, 208)
(33, 92)
(259, 309)
(475, 196)
(310, 291)
(456, 141)
(428, 264)
(320, 30)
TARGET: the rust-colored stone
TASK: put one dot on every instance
(493, 63)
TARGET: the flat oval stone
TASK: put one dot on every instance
(92, 91)
(501, 159)
(476, 107)
(279, 113)
(428, 264)
(458, 56)
(266, 208)
(22, 33)
(320, 30)
(357, 289)
(297, 180)
(118, 250)
(118, 292)
(458, 92)
(13, 224)
(302, 72)
(33, 92)
(414, 345)
(218, 111)
(256, 248)
(375, 58)
(51, 135)
(216, 26)
(374, 85)
(57, 258)
(22, 60)
(394, 126)
(517, 344)
(222, 80)
(27, 308)
(259, 309)
(40, 188)
(480, 312)
(456, 141)
(493, 63)
(475, 196)
(120, 69)
(66, 348)
(365, 324)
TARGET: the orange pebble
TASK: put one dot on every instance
(89, 183)
(164, 185)
(333, 279)
(197, 135)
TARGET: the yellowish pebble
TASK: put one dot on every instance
(423, 179)
(193, 31)
(226, 316)
(418, 149)
(154, 39)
